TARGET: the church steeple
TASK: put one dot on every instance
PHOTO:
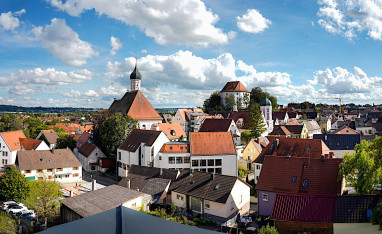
(135, 78)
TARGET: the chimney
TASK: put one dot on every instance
(128, 184)
(70, 193)
(94, 184)
(161, 172)
(322, 157)
(125, 172)
(277, 144)
(212, 176)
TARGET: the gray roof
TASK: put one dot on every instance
(135, 74)
(46, 159)
(311, 125)
(51, 137)
(100, 200)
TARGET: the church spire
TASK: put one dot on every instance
(135, 78)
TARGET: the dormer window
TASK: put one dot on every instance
(294, 179)
(170, 147)
(305, 183)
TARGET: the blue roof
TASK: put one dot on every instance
(339, 141)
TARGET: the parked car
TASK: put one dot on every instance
(24, 213)
(5, 204)
(15, 209)
(31, 218)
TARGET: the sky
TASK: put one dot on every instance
(80, 53)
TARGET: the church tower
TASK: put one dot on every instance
(135, 78)
(266, 111)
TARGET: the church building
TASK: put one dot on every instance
(238, 90)
(135, 104)
(266, 111)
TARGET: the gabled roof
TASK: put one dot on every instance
(83, 138)
(295, 147)
(12, 139)
(100, 200)
(344, 130)
(45, 159)
(212, 143)
(47, 131)
(135, 105)
(172, 130)
(236, 115)
(304, 208)
(29, 144)
(216, 125)
(203, 186)
(311, 125)
(137, 137)
(353, 208)
(279, 114)
(280, 130)
(51, 137)
(86, 149)
(322, 176)
(234, 86)
(175, 147)
(339, 141)
(294, 129)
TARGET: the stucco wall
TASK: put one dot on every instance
(265, 207)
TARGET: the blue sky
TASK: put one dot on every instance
(80, 53)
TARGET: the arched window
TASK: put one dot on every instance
(240, 123)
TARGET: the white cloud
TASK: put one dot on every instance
(115, 44)
(186, 22)
(144, 51)
(64, 43)
(252, 22)
(9, 21)
(349, 18)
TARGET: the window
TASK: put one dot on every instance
(66, 176)
(179, 197)
(27, 171)
(160, 157)
(203, 169)
(195, 163)
(218, 162)
(119, 156)
(241, 199)
(265, 197)
(210, 162)
(186, 147)
(39, 171)
(203, 163)
(294, 179)
(218, 171)
(152, 152)
(305, 183)
(170, 147)
(75, 168)
(76, 175)
(232, 205)
(207, 205)
(179, 159)
(186, 159)
(59, 169)
(258, 167)
(171, 160)
(210, 170)
(92, 168)
(96, 154)
(50, 177)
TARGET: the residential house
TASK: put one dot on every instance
(334, 123)
(364, 126)
(173, 131)
(296, 176)
(312, 127)
(222, 125)
(238, 90)
(58, 164)
(195, 120)
(351, 116)
(280, 117)
(340, 143)
(150, 180)
(345, 130)
(213, 152)
(200, 119)
(182, 117)
(325, 123)
(175, 155)
(100, 200)
(90, 156)
(9, 145)
(251, 151)
(33, 144)
(220, 198)
(49, 136)
(294, 147)
(141, 147)
(241, 119)
(167, 118)
(294, 131)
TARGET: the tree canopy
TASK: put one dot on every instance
(363, 169)
(256, 122)
(258, 95)
(14, 185)
(213, 103)
(65, 141)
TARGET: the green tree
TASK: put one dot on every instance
(14, 185)
(15, 124)
(258, 95)
(376, 216)
(45, 197)
(229, 102)
(7, 225)
(65, 141)
(304, 116)
(246, 136)
(268, 230)
(60, 131)
(5, 118)
(213, 103)
(114, 130)
(363, 169)
(256, 122)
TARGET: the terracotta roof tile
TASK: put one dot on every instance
(234, 86)
(212, 143)
(172, 130)
(277, 176)
(29, 144)
(138, 136)
(12, 139)
(178, 147)
(45, 159)
(135, 105)
(280, 130)
(216, 125)
(82, 138)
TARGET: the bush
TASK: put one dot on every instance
(376, 216)
(268, 230)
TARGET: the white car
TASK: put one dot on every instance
(24, 213)
(15, 209)
(4, 205)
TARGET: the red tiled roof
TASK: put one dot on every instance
(280, 131)
(236, 115)
(234, 86)
(216, 125)
(277, 176)
(12, 139)
(75, 137)
(86, 149)
(296, 147)
(29, 144)
(172, 130)
(304, 208)
(135, 105)
(175, 148)
(212, 143)
(83, 138)
(47, 131)
(138, 136)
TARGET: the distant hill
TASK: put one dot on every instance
(9, 108)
